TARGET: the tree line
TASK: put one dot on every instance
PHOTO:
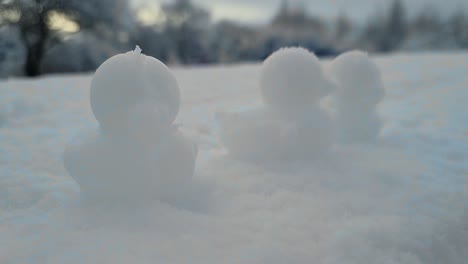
(49, 36)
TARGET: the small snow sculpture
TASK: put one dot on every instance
(360, 89)
(291, 124)
(137, 154)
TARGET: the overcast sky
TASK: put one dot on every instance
(260, 11)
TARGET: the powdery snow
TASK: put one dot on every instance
(402, 200)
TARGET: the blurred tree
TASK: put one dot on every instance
(396, 27)
(12, 52)
(232, 42)
(343, 28)
(32, 22)
(36, 18)
(186, 26)
(372, 33)
(427, 30)
(297, 21)
(149, 32)
(289, 16)
(153, 42)
(80, 52)
(386, 32)
(459, 28)
(427, 20)
(293, 26)
(109, 20)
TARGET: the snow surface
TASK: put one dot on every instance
(402, 200)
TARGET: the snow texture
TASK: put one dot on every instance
(401, 200)
(360, 89)
(137, 155)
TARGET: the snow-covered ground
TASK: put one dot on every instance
(402, 200)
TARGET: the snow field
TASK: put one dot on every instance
(401, 200)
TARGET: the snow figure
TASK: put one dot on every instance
(360, 89)
(291, 124)
(137, 153)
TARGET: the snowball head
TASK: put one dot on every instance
(126, 80)
(358, 79)
(293, 77)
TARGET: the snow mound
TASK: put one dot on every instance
(137, 154)
(360, 89)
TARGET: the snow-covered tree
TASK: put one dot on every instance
(232, 42)
(84, 52)
(343, 31)
(428, 31)
(35, 19)
(295, 22)
(459, 28)
(342, 27)
(12, 52)
(396, 26)
(386, 31)
(186, 25)
(153, 42)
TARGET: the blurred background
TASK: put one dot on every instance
(64, 36)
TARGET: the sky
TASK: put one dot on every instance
(260, 11)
